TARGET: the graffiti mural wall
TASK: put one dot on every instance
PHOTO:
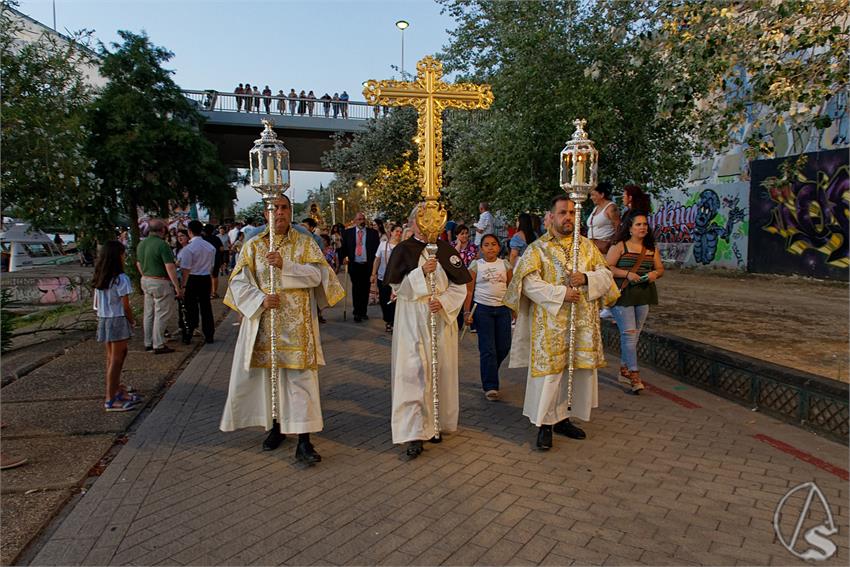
(800, 226)
(705, 225)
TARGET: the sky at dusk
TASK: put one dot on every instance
(323, 45)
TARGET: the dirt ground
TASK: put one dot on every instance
(787, 320)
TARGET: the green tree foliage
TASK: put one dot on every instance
(147, 137)
(47, 175)
(395, 191)
(385, 146)
(769, 61)
(549, 63)
(254, 211)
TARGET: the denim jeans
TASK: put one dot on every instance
(630, 320)
(494, 341)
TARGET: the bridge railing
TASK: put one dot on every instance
(281, 105)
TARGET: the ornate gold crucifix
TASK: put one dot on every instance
(430, 96)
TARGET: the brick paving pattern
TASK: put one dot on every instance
(656, 482)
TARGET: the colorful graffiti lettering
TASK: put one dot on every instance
(673, 223)
(812, 214)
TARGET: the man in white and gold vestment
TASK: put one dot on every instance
(305, 282)
(541, 291)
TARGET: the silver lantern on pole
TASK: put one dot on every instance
(579, 160)
(268, 163)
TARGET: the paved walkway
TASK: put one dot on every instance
(674, 476)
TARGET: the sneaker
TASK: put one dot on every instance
(164, 349)
(635, 381)
(148, 348)
(492, 395)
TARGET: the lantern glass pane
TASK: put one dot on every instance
(566, 168)
(255, 171)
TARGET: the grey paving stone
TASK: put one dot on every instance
(651, 484)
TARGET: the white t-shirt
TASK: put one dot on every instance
(491, 281)
(385, 250)
(487, 223)
(108, 302)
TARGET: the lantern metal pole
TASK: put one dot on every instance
(430, 219)
(269, 201)
(431, 250)
(578, 178)
(270, 177)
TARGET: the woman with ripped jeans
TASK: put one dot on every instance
(635, 263)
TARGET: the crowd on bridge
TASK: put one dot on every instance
(514, 292)
(301, 104)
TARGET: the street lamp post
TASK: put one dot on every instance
(402, 25)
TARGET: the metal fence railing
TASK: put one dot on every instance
(285, 106)
(815, 403)
(282, 105)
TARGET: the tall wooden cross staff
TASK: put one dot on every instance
(430, 96)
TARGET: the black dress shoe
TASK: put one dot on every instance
(274, 439)
(544, 438)
(357, 318)
(566, 428)
(415, 449)
(305, 453)
(436, 439)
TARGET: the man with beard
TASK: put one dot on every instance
(541, 291)
(305, 282)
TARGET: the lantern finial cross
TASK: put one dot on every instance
(579, 134)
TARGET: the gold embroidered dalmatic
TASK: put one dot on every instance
(541, 338)
(296, 343)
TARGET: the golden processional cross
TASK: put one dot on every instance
(430, 96)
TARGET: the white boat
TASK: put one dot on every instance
(24, 248)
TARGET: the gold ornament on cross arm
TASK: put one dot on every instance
(430, 96)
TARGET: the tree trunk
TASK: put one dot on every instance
(135, 238)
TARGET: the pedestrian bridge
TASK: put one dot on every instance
(307, 134)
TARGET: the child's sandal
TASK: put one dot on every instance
(125, 396)
(117, 404)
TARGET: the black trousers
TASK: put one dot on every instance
(197, 299)
(360, 275)
(387, 308)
